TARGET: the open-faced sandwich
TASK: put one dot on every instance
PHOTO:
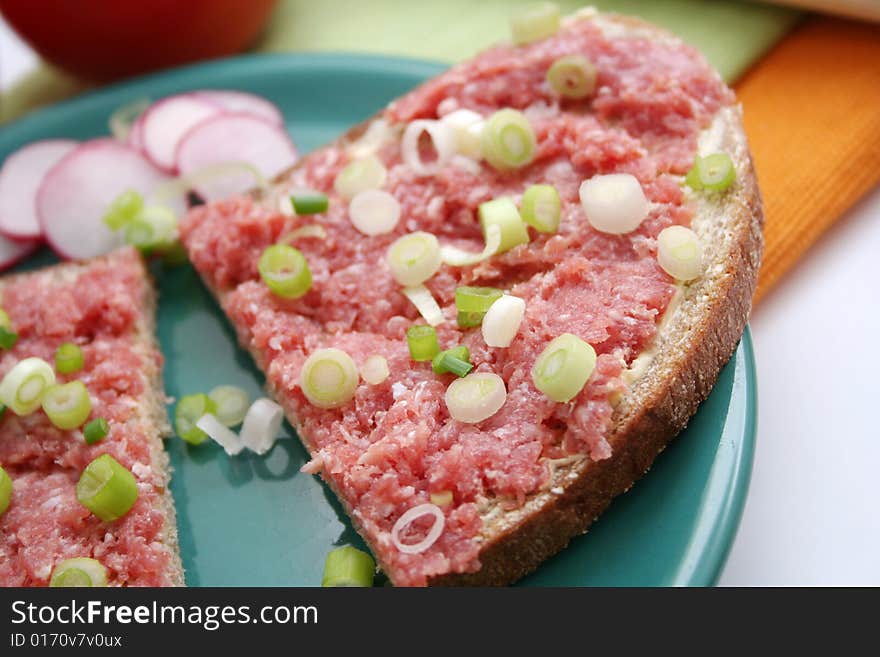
(487, 309)
(84, 498)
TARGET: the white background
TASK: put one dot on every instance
(812, 513)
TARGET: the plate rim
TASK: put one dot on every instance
(715, 550)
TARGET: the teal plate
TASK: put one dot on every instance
(256, 520)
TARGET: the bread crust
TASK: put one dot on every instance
(152, 412)
(697, 337)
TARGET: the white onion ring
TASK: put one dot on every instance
(421, 298)
(413, 514)
(309, 230)
(455, 257)
(444, 143)
(220, 434)
(261, 425)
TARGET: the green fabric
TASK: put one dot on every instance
(732, 34)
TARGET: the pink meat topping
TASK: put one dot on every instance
(98, 310)
(395, 443)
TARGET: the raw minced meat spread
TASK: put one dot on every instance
(98, 309)
(395, 444)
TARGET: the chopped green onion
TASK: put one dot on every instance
(475, 397)
(414, 258)
(23, 386)
(374, 212)
(81, 571)
(442, 498)
(452, 360)
(153, 227)
(229, 440)
(541, 208)
(5, 491)
(572, 76)
(452, 255)
(309, 202)
(329, 378)
(359, 175)
(422, 342)
(476, 299)
(123, 209)
(714, 172)
(421, 132)
(469, 320)
(348, 566)
(285, 271)
(107, 488)
(7, 338)
(174, 253)
(2, 411)
(427, 305)
(232, 404)
(692, 179)
(189, 409)
(502, 212)
(679, 253)
(502, 321)
(461, 353)
(96, 430)
(507, 140)
(614, 203)
(564, 367)
(67, 405)
(375, 369)
(466, 126)
(68, 358)
(535, 23)
(303, 232)
(455, 365)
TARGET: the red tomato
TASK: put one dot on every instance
(107, 39)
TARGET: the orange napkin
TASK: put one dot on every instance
(812, 114)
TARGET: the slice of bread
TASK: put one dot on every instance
(697, 337)
(115, 325)
(667, 380)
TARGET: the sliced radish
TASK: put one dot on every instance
(240, 102)
(77, 191)
(11, 251)
(20, 177)
(234, 138)
(168, 120)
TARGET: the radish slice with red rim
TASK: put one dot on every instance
(12, 252)
(234, 138)
(76, 192)
(20, 177)
(241, 102)
(167, 121)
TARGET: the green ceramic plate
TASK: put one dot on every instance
(254, 520)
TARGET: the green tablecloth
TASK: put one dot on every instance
(732, 34)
